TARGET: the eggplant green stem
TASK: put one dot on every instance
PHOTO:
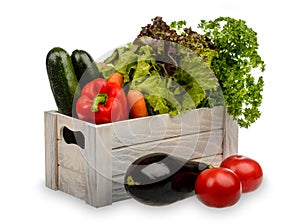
(99, 99)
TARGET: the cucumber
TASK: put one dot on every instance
(62, 79)
(85, 68)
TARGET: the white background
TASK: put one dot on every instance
(29, 29)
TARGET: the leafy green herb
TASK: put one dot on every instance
(237, 48)
(179, 26)
(179, 33)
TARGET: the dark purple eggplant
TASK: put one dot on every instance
(161, 179)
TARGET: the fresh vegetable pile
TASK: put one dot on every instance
(170, 69)
(166, 69)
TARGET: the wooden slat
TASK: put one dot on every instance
(90, 173)
(188, 147)
(135, 131)
(50, 150)
(213, 160)
(230, 143)
(104, 165)
(98, 169)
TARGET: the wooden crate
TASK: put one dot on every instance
(93, 170)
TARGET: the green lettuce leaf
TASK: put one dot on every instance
(172, 78)
(163, 95)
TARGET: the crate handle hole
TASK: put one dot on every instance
(73, 137)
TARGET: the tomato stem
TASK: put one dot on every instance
(210, 166)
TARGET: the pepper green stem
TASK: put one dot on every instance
(99, 99)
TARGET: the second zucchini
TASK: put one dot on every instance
(85, 68)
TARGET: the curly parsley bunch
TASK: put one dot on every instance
(237, 58)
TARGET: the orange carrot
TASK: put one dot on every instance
(136, 104)
(116, 78)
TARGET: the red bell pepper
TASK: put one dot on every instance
(102, 102)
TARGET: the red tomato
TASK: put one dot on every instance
(218, 187)
(248, 170)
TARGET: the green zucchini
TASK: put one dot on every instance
(62, 79)
(85, 68)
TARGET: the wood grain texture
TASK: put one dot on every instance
(72, 182)
(98, 169)
(71, 156)
(51, 173)
(119, 192)
(71, 123)
(187, 146)
(104, 165)
(153, 128)
(214, 160)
